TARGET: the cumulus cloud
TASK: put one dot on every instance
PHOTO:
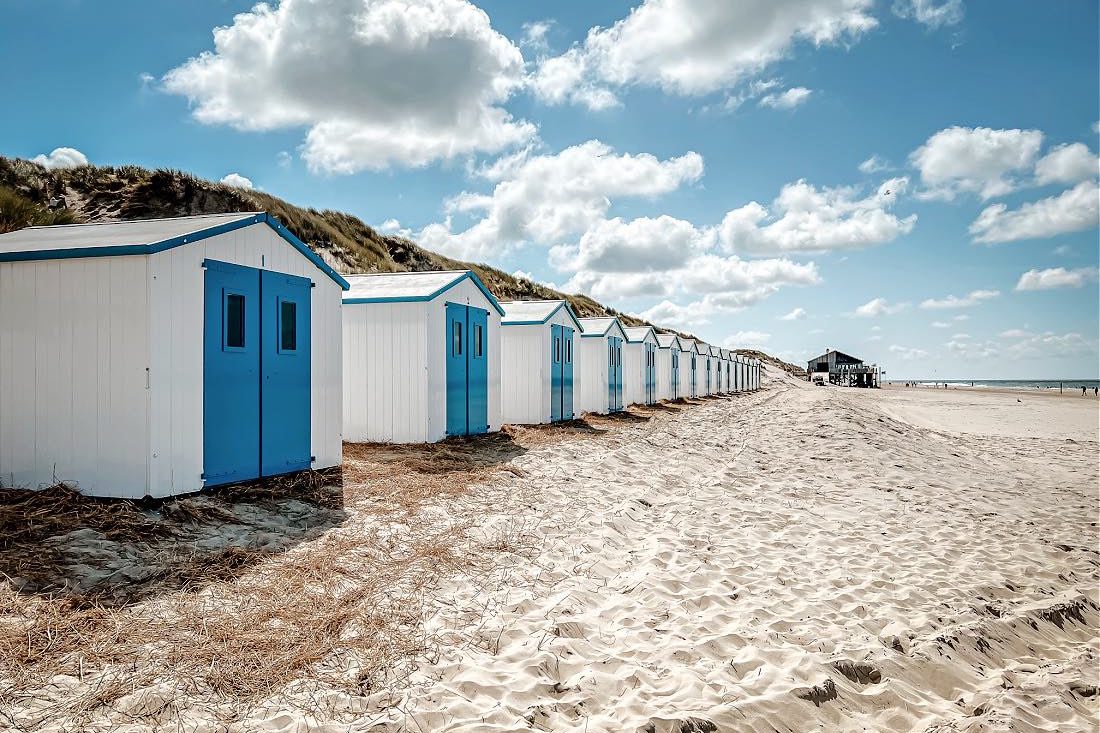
(61, 158)
(929, 12)
(1056, 277)
(1067, 164)
(1073, 210)
(640, 245)
(971, 299)
(906, 353)
(546, 199)
(693, 47)
(746, 339)
(787, 99)
(804, 218)
(236, 180)
(874, 164)
(376, 82)
(878, 307)
(940, 324)
(975, 160)
(795, 315)
(1049, 345)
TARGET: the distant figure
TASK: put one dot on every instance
(1083, 393)
(1095, 390)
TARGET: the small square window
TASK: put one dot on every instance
(234, 321)
(288, 325)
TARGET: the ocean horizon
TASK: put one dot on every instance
(1064, 384)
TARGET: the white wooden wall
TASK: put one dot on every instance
(590, 375)
(525, 374)
(469, 294)
(634, 370)
(177, 287)
(386, 353)
(664, 374)
(74, 346)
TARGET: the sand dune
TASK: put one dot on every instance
(800, 559)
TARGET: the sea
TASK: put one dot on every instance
(1067, 385)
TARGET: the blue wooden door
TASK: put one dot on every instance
(477, 372)
(693, 394)
(285, 367)
(567, 374)
(231, 374)
(675, 386)
(456, 369)
(650, 373)
(467, 370)
(614, 374)
(557, 370)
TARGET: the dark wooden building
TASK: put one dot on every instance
(843, 369)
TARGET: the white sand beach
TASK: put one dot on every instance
(799, 559)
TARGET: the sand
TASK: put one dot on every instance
(800, 559)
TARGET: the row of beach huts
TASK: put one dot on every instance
(161, 357)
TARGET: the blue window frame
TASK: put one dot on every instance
(288, 326)
(233, 320)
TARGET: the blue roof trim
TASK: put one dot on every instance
(302, 247)
(563, 304)
(167, 244)
(432, 296)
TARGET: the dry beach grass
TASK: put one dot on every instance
(800, 559)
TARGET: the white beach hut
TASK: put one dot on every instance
(742, 373)
(723, 371)
(600, 386)
(421, 357)
(537, 345)
(163, 356)
(668, 366)
(640, 366)
(710, 368)
(691, 366)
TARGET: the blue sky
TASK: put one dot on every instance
(912, 181)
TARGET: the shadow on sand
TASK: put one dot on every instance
(59, 543)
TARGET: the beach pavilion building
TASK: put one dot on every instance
(421, 357)
(668, 366)
(640, 366)
(600, 387)
(163, 356)
(538, 342)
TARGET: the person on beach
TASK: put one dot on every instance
(1083, 394)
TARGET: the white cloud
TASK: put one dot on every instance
(1073, 210)
(236, 180)
(1067, 164)
(534, 35)
(804, 218)
(1056, 277)
(940, 324)
(1016, 333)
(970, 300)
(1049, 345)
(390, 225)
(545, 199)
(878, 307)
(693, 47)
(787, 99)
(961, 317)
(283, 159)
(61, 158)
(906, 353)
(975, 160)
(639, 245)
(874, 164)
(376, 82)
(795, 315)
(960, 345)
(930, 13)
(746, 339)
